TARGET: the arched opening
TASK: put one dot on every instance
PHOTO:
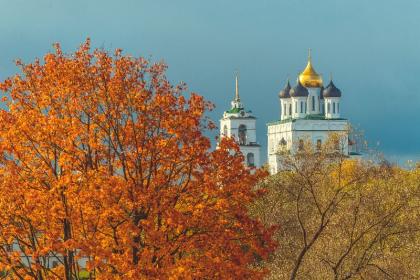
(318, 144)
(242, 134)
(250, 159)
(328, 108)
(283, 145)
(290, 109)
(301, 145)
(337, 144)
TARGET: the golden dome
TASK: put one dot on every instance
(309, 77)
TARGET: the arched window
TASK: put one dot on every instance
(337, 144)
(296, 107)
(333, 107)
(225, 131)
(328, 108)
(283, 144)
(242, 134)
(301, 145)
(318, 144)
(301, 106)
(290, 109)
(313, 103)
(250, 159)
(338, 108)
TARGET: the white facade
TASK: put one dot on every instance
(332, 107)
(286, 108)
(299, 107)
(286, 135)
(240, 124)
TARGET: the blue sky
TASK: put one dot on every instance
(371, 47)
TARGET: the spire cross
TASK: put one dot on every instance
(237, 99)
(309, 54)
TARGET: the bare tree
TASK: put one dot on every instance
(341, 218)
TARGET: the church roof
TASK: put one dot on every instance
(285, 93)
(299, 90)
(331, 91)
(309, 77)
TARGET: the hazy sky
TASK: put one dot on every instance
(372, 47)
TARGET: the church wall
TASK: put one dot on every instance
(307, 130)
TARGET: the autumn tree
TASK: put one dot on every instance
(104, 162)
(342, 218)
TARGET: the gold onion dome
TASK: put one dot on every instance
(309, 77)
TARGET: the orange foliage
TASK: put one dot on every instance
(102, 159)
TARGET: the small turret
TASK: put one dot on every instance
(236, 103)
(332, 96)
(285, 102)
(299, 98)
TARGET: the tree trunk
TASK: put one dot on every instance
(68, 256)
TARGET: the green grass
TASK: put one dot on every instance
(83, 274)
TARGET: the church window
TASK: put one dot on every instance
(296, 107)
(54, 264)
(290, 109)
(284, 109)
(283, 144)
(313, 103)
(242, 134)
(250, 159)
(328, 108)
(301, 145)
(337, 144)
(301, 106)
(333, 107)
(318, 144)
(225, 131)
(338, 108)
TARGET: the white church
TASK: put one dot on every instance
(309, 112)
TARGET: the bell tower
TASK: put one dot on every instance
(240, 124)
